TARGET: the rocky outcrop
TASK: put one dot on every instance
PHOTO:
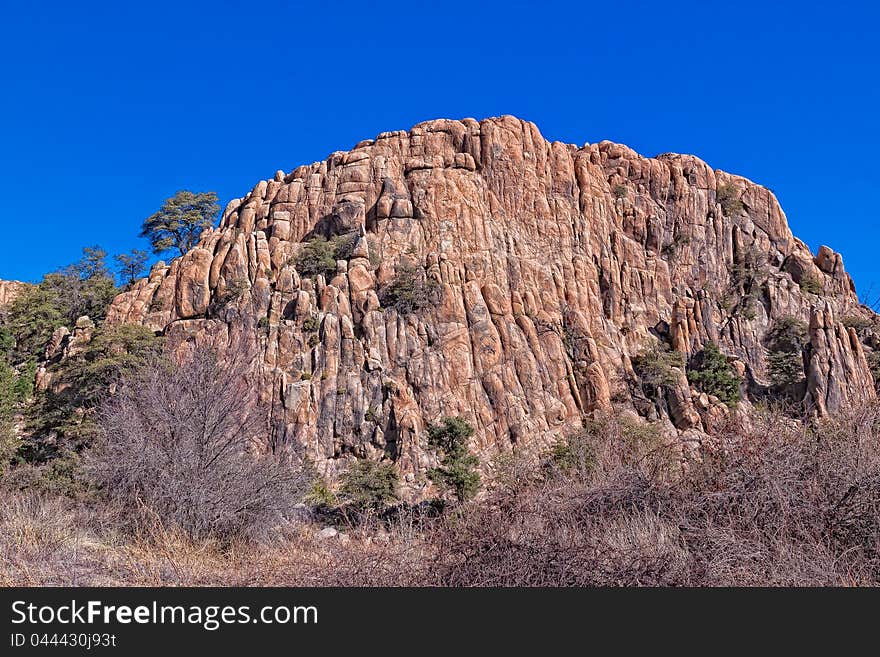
(556, 264)
(838, 371)
(63, 344)
(9, 291)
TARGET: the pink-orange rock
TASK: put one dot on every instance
(9, 292)
(556, 264)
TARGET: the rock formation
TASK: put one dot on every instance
(556, 265)
(9, 290)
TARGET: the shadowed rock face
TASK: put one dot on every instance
(557, 264)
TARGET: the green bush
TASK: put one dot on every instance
(620, 191)
(748, 308)
(658, 366)
(62, 416)
(410, 291)
(786, 341)
(458, 467)
(788, 333)
(372, 415)
(63, 476)
(32, 319)
(8, 395)
(113, 351)
(368, 485)
(311, 324)
(318, 256)
(786, 368)
(374, 246)
(811, 284)
(576, 453)
(236, 289)
(728, 197)
(713, 375)
(7, 340)
(83, 288)
(861, 324)
(8, 439)
(748, 270)
(320, 494)
(24, 384)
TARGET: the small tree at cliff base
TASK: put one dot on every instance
(368, 485)
(458, 467)
(786, 342)
(658, 368)
(180, 221)
(713, 375)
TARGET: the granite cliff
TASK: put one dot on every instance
(9, 290)
(554, 267)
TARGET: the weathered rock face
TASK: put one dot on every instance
(556, 264)
(9, 290)
(63, 345)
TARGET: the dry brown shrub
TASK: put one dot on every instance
(186, 445)
(771, 502)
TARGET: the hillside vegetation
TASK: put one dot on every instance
(772, 504)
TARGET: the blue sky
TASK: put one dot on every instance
(108, 109)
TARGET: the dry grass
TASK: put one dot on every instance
(48, 541)
(769, 504)
(56, 542)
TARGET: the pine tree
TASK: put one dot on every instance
(180, 221)
(131, 266)
(458, 467)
